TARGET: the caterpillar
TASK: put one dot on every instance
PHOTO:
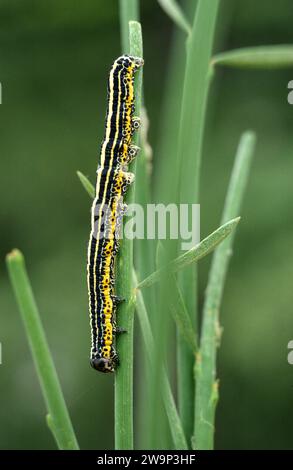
(117, 151)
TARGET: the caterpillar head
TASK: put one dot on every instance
(137, 61)
(103, 364)
(128, 61)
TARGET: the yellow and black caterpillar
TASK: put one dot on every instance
(117, 151)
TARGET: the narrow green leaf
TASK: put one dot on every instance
(181, 315)
(261, 57)
(169, 403)
(193, 255)
(86, 184)
(176, 303)
(144, 249)
(128, 11)
(206, 395)
(174, 11)
(60, 422)
(189, 154)
(52, 428)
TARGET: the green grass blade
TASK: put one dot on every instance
(144, 259)
(60, 423)
(194, 101)
(193, 255)
(174, 11)
(144, 264)
(176, 303)
(181, 315)
(166, 175)
(168, 165)
(169, 403)
(50, 424)
(173, 416)
(205, 369)
(261, 57)
(124, 373)
(128, 11)
(88, 186)
(239, 177)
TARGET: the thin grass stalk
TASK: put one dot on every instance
(195, 92)
(164, 174)
(160, 323)
(124, 373)
(206, 396)
(174, 11)
(168, 400)
(128, 11)
(261, 57)
(144, 264)
(58, 420)
(144, 249)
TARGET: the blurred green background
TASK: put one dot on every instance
(54, 62)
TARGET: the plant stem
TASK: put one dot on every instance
(174, 11)
(90, 189)
(60, 423)
(124, 373)
(205, 368)
(169, 403)
(128, 11)
(143, 249)
(195, 92)
(262, 57)
(181, 316)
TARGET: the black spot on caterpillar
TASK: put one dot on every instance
(107, 210)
